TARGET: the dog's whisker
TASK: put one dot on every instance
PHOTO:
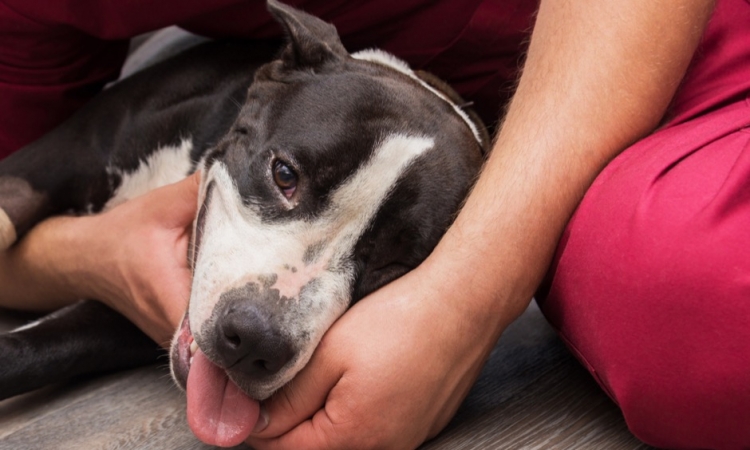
(236, 103)
(165, 376)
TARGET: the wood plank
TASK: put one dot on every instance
(138, 409)
(531, 394)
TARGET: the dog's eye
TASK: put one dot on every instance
(285, 178)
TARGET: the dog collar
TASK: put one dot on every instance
(386, 59)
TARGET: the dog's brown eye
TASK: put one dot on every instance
(285, 178)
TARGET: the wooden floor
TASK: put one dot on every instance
(531, 395)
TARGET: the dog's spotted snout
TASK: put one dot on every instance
(247, 341)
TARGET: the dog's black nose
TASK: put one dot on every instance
(249, 343)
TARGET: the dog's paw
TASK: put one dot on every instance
(7, 231)
(21, 207)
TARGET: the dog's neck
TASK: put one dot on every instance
(386, 59)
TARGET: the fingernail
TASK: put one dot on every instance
(262, 422)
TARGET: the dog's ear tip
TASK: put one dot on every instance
(312, 41)
(274, 5)
(281, 11)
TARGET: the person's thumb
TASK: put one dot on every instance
(178, 202)
(299, 399)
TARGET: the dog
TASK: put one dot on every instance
(339, 173)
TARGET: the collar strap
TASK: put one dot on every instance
(386, 59)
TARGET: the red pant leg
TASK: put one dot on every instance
(650, 286)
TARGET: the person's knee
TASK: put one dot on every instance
(659, 312)
(668, 338)
(685, 405)
(651, 288)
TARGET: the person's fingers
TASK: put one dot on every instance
(173, 298)
(178, 201)
(300, 399)
(316, 433)
(157, 286)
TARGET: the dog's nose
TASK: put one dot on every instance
(249, 343)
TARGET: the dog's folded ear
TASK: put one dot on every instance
(312, 42)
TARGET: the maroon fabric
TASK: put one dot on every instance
(651, 281)
(55, 55)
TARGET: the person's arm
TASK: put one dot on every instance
(393, 370)
(133, 258)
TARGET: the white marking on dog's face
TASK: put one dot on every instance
(308, 261)
(384, 58)
(164, 166)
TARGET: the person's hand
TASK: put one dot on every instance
(390, 373)
(133, 258)
(137, 254)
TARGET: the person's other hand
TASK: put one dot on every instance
(137, 257)
(390, 373)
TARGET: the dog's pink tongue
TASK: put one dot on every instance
(218, 412)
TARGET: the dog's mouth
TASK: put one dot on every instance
(182, 352)
(200, 224)
(218, 412)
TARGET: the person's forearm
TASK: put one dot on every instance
(42, 272)
(598, 76)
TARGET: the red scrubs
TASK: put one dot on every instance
(650, 286)
(55, 55)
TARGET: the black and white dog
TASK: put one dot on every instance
(338, 174)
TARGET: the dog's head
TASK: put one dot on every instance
(340, 174)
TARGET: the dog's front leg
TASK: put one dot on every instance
(59, 173)
(87, 337)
